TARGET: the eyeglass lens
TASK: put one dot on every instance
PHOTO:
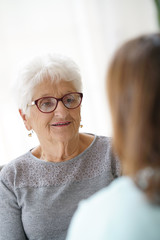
(48, 104)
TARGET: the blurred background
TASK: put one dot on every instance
(88, 31)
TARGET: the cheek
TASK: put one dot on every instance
(39, 121)
(76, 115)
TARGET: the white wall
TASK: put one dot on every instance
(87, 30)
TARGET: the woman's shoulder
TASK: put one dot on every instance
(95, 136)
(122, 197)
(104, 143)
(95, 144)
(120, 190)
(103, 139)
(119, 211)
(98, 140)
(118, 186)
(10, 169)
(101, 151)
(16, 161)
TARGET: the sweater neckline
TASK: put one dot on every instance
(67, 161)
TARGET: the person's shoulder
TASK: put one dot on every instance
(114, 198)
(9, 170)
(110, 194)
(122, 193)
(97, 210)
(103, 142)
(107, 212)
(100, 143)
(103, 138)
(16, 161)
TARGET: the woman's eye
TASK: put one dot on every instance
(47, 104)
(69, 100)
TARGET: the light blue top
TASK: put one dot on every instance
(118, 212)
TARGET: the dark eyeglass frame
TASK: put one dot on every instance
(57, 100)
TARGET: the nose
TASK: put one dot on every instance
(60, 110)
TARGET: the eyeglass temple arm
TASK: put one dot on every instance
(32, 103)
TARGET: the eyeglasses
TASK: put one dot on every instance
(49, 104)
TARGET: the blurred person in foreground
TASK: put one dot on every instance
(40, 190)
(129, 209)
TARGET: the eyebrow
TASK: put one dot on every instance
(50, 95)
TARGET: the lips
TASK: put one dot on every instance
(61, 124)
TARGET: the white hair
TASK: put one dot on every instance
(51, 66)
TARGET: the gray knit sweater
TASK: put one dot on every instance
(38, 198)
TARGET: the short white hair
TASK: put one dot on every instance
(51, 66)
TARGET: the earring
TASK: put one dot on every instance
(81, 125)
(30, 133)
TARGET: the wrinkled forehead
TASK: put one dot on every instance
(48, 87)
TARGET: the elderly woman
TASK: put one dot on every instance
(40, 190)
(129, 209)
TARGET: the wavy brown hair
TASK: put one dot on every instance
(133, 86)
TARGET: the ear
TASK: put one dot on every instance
(25, 120)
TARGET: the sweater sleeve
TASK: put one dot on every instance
(116, 166)
(11, 226)
(115, 161)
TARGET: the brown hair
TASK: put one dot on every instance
(133, 85)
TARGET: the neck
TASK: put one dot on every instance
(59, 151)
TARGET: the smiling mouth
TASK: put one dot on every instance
(61, 124)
